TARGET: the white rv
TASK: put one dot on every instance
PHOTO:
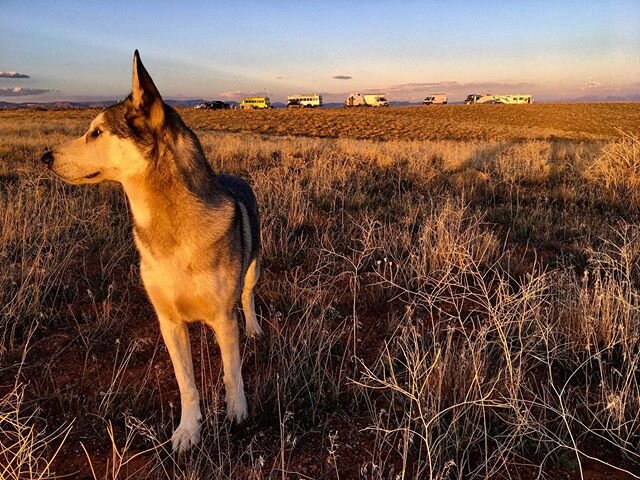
(367, 100)
(310, 100)
(479, 98)
(436, 99)
(502, 99)
(513, 99)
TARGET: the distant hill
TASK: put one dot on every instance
(92, 104)
(55, 105)
(194, 102)
(608, 98)
(172, 102)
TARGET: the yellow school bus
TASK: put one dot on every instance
(255, 102)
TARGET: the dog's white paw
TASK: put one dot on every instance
(237, 408)
(186, 435)
(254, 330)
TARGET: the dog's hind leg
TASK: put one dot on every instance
(248, 305)
(176, 338)
(225, 327)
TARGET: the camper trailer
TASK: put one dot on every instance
(435, 99)
(513, 99)
(367, 100)
(501, 99)
(252, 103)
(479, 98)
(311, 100)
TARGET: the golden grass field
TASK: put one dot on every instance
(568, 121)
(448, 293)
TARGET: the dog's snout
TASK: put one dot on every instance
(47, 158)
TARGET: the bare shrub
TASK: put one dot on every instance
(617, 170)
(526, 162)
(481, 365)
(453, 237)
(27, 449)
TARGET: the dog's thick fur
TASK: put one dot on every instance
(197, 232)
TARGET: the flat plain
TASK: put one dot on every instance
(447, 293)
(562, 121)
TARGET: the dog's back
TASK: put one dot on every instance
(248, 219)
(242, 193)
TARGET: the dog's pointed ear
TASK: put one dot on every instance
(145, 97)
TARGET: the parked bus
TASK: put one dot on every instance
(249, 103)
(307, 101)
(436, 99)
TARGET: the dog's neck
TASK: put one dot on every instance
(144, 201)
(164, 204)
(177, 176)
(159, 215)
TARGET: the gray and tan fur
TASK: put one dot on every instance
(197, 232)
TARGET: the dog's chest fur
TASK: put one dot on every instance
(186, 261)
(182, 285)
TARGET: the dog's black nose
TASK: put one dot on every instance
(47, 158)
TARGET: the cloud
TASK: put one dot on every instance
(280, 77)
(415, 92)
(591, 85)
(13, 75)
(342, 77)
(457, 91)
(22, 92)
(232, 95)
(457, 85)
(238, 95)
(418, 85)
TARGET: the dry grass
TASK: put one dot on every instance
(434, 309)
(453, 122)
(578, 121)
(617, 170)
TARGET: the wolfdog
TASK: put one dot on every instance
(197, 232)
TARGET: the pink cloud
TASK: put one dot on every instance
(591, 85)
(237, 95)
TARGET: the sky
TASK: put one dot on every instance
(556, 50)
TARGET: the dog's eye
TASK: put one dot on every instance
(96, 132)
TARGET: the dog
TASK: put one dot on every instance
(197, 233)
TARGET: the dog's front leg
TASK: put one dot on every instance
(176, 338)
(225, 327)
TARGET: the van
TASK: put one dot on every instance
(367, 100)
(436, 99)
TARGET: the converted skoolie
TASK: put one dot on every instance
(307, 101)
(249, 103)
